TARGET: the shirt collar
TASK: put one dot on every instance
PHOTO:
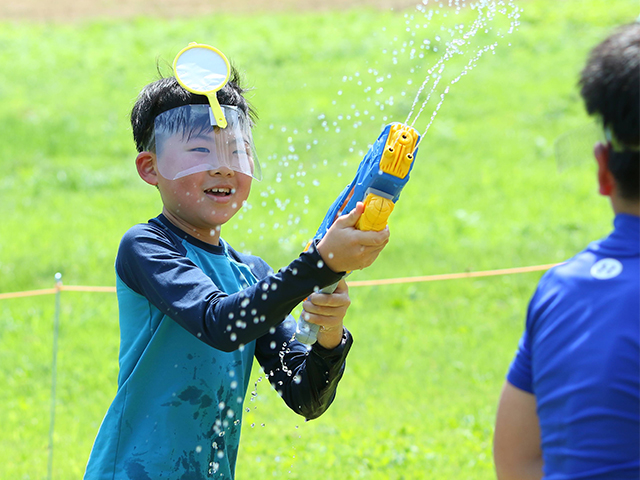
(624, 240)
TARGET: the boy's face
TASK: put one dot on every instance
(202, 202)
(203, 172)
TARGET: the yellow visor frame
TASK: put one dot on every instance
(203, 70)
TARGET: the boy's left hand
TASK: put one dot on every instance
(328, 311)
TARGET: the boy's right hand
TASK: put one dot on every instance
(345, 248)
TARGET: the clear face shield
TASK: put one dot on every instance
(188, 141)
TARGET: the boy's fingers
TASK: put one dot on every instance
(317, 301)
(371, 238)
(326, 322)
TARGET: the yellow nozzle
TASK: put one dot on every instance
(398, 151)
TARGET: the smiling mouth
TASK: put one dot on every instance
(220, 192)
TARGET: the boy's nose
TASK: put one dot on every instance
(222, 170)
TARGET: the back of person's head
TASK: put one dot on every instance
(611, 90)
(166, 93)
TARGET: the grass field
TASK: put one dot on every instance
(419, 396)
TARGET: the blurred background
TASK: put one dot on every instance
(419, 396)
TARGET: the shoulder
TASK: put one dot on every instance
(143, 245)
(572, 271)
(587, 282)
(589, 268)
(149, 236)
(560, 283)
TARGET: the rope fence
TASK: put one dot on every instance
(356, 283)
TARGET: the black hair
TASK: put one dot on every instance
(610, 88)
(166, 93)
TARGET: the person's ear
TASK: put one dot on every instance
(146, 165)
(606, 182)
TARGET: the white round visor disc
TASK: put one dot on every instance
(203, 70)
(188, 142)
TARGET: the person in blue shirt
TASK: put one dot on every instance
(194, 312)
(570, 407)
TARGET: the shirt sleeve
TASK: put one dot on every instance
(519, 374)
(306, 380)
(152, 264)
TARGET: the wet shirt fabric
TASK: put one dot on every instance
(579, 356)
(192, 318)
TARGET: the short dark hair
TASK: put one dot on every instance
(610, 88)
(166, 93)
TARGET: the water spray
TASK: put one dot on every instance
(384, 170)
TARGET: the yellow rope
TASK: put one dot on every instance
(356, 283)
(451, 276)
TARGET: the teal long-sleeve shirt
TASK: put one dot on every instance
(192, 318)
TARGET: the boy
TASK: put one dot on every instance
(570, 408)
(194, 312)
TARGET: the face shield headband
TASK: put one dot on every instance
(188, 141)
(617, 145)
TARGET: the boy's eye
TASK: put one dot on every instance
(246, 152)
(201, 150)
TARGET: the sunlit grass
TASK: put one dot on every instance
(419, 395)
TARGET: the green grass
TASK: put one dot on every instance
(418, 399)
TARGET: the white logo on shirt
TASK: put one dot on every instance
(606, 268)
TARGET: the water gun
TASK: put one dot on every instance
(381, 176)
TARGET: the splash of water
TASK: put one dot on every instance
(461, 44)
(433, 47)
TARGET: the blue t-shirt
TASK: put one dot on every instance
(579, 356)
(192, 317)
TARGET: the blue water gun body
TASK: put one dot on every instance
(381, 176)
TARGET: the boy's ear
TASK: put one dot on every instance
(606, 182)
(146, 165)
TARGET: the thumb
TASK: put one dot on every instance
(350, 219)
(342, 287)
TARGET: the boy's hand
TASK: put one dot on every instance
(328, 311)
(345, 248)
